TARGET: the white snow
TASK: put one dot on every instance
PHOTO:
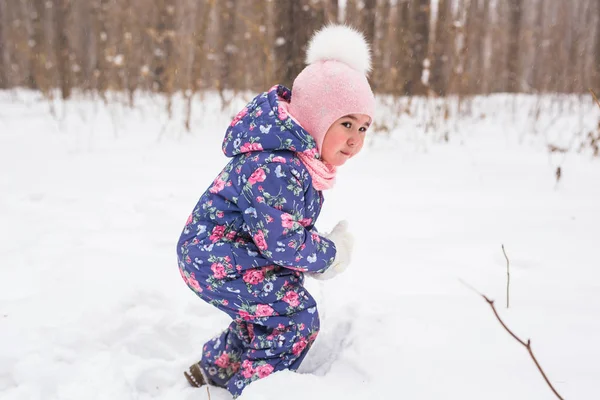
(93, 200)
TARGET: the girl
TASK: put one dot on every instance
(251, 238)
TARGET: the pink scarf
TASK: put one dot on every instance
(322, 173)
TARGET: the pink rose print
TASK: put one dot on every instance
(254, 276)
(235, 366)
(316, 237)
(217, 186)
(287, 221)
(247, 147)
(299, 346)
(194, 283)
(239, 116)
(217, 233)
(260, 199)
(185, 279)
(259, 239)
(220, 214)
(257, 176)
(279, 159)
(223, 360)
(251, 332)
(291, 298)
(269, 219)
(190, 219)
(264, 370)
(305, 222)
(245, 315)
(264, 310)
(218, 270)
(312, 152)
(248, 370)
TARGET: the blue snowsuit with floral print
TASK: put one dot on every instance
(248, 241)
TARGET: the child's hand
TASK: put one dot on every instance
(344, 243)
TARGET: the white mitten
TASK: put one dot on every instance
(344, 243)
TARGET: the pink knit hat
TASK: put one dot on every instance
(334, 83)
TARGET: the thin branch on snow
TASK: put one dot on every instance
(507, 278)
(594, 96)
(527, 344)
(208, 391)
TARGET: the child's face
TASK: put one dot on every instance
(344, 138)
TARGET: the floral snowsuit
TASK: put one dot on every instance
(248, 241)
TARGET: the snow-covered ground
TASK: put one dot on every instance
(93, 200)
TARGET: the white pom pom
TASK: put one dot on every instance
(340, 43)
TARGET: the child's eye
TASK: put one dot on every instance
(362, 129)
(347, 124)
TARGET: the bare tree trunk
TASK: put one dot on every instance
(200, 32)
(61, 10)
(380, 47)
(587, 20)
(368, 19)
(471, 73)
(257, 52)
(203, 11)
(27, 13)
(352, 14)
(4, 63)
(420, 46)
(597, 50)
(559, 49)
(442, 49)
(539, 47)
(484, 23)
(291, 37)
(332, 10)
(226, 46)
(513, 60)
(404, 52)
(130, 39)
(573, 78)
(163, 63)
(367, 26)
(39, 50)
(460, 42)
(101, 67)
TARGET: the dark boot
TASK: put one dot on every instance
(194, 376)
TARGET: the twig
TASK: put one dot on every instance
(594, 96)
(208, 391)
(527, 344)
(507, 278)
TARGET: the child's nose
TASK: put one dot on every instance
(353, 140)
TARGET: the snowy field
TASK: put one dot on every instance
(93, 199)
